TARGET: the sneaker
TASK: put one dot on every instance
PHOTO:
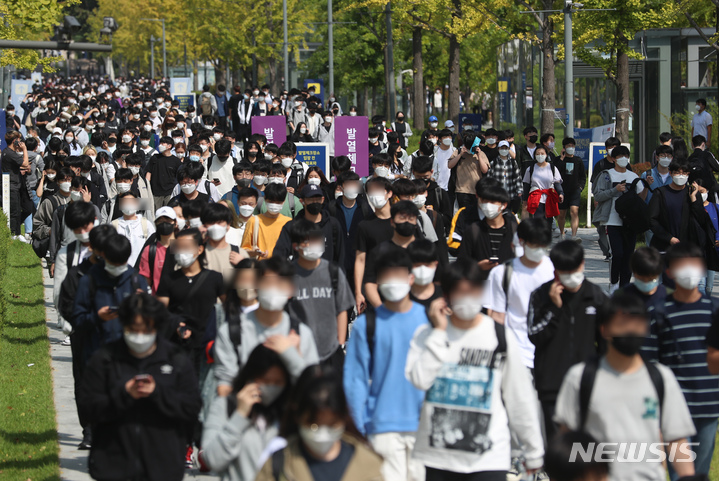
(66, 341)
(562, 236)
(22, 239)
(607, 258)
(86, 442)
(577, 239)
(613, 288)
(189, 463)
(199, 462)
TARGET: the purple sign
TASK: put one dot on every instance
(352, 140)
(274, 127)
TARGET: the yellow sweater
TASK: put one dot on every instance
(269, 232)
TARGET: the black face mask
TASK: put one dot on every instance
(628, 344)
(405, 229)
(314, 209)
(533, 139)
(165, 228)
(400, 119)
(252, 154)
(244, 183)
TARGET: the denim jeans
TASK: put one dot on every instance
(706, 435)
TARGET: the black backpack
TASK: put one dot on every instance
(633, 211)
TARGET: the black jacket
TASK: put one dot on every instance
(693, 216)
(562, 337)
(334, 240)
(476, 244)
(362, 212)
(438, 198)
(143, 438)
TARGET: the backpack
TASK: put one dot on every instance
(531, 170)
(41, 246)
(633, 211)
(586, 385)
(206, 105)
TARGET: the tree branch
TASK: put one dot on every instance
(534, 12)
(428, 26)
(700, 32)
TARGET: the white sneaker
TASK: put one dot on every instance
(562, 236)
(23, 239)
(66, 341)
(577, 239)
(613, 288)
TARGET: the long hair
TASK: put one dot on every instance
(232, 301)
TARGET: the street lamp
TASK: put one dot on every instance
(164, 52)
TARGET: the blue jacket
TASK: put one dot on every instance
(108, 291)
(657, 181)
(389, 403)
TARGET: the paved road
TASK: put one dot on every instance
(73, 462)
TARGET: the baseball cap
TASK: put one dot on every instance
(433, 119)
(503, 143)
(311, 191)
(448, 124)
(166, 212)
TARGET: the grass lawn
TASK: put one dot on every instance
(28, 434)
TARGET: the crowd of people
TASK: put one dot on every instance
(230, 308)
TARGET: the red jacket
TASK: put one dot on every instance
(551, 207)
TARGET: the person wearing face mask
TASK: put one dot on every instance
(489, 241)
(313, 200)
(647, 268)
(562, 325)
(405, 189)
(101, 291)
(571, 169)
(322, 440)
(372, 231)
(403, 219)
(42, 222)
(445, 155)
(220, 168)
(144, 377)
(154, 253)
(161, 173)
(468, 437)
(510, 285)
(297, 114)
(249, 417)
(605, 163)
(47, 185)
(323, 295)
(123, 183)
(491, 138)
(383, 403)
(525, 154)
(260, 236)
(711, 228)
(658, 176)
(548, 141)
(188, 179)
(402, 128)
(326, 132)
(292, 204)
(242, 174)
(437, 198)
(609, 186)
(542, 187)
(677, 339)
(468, 167)
(675, 209)
(221, 256)
(295, 170)
(141, 186)
(302, 133)
(505, 170)
(703, 162)
(269, 324)
(702, 121)
(425, 262)
(624, 394)
(136, 228)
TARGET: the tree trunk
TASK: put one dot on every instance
(549, 80)
(272, 70)
(373, 108)
(418, 78)
(622, 82)
(220, 72)
(387, 80)
(453, 107)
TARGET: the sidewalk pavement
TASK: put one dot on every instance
(73, 462)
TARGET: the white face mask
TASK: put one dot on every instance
(705, 196)
(382, 172)
(195, 223)
(351, 193)
(216, 137)
(216, 232)
(540, 158)
(490, 210)
(303, 130)
(314, 181)
(115, 271)
(246, 210)
(313, 252)
(321, 439)
(185, 259)
(622, 161)
(161, 148)
(689, 277)
(269, 393)
(272, 299)
(259, 179)
(65, 186)
(188, 189)
(680, 179)
(433, 125)
(83, 237)
(504, 152)
(126, 139)
(287, 162)
(573, 280)
(276, 180)
(466, 308)
(551, 145)
(328, 120)
(203, 147)
(665, 161)
(535, 254)
(419, 200)
(123, 187)
(373, 140)
(51, 176)
(338, 194)
(433, 140)
(139, 343)
(129, 209)
(273, 208)
(423, 275)
(570, 150)
(147, 128)
(75, 196)
(447, 141)
(353, 114)
(134, 170)
(395, 290)
(377, 201)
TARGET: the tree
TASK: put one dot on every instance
(29, 20)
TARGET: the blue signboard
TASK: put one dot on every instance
(583, 137)
(476, 120)
(314, 154)
(503, 89)
(319, 86)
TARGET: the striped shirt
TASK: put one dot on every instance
(678, 341)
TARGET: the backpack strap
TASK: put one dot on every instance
(278, 464)
(586, 385)
(151, 254)
(438, 195)
(234, 324)
(143, 224)
(70, 255)
(291, 201)
(658, 381)
(207, 182)
(506, 281)
(334, 276)
(370, 328)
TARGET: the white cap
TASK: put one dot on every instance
(449, 124)
(57, 130)
(166, 212)
(503, 143)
